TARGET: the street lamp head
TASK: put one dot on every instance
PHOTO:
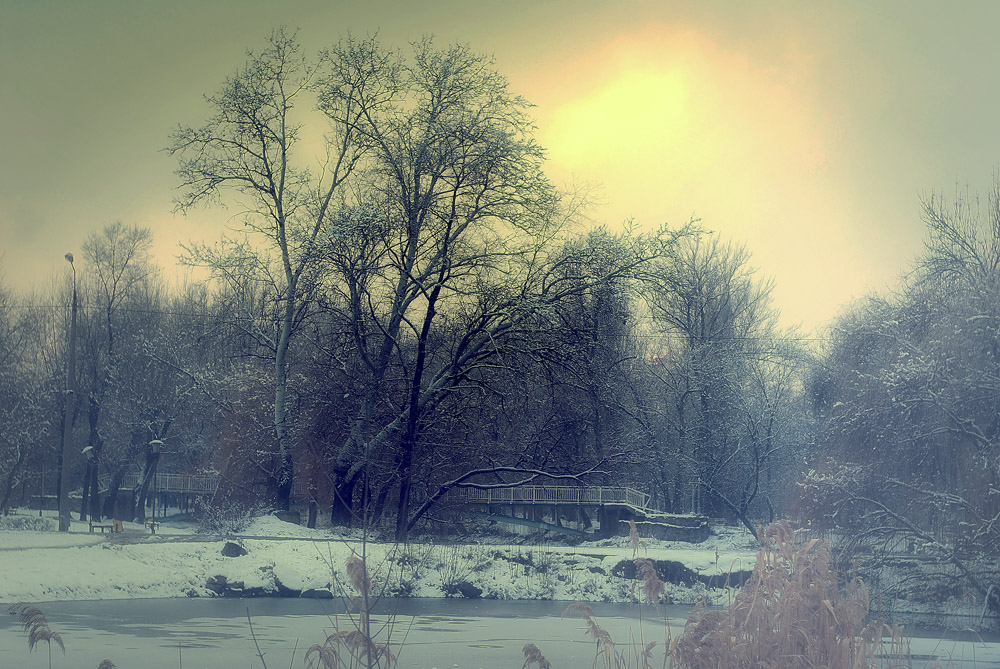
(69, 258)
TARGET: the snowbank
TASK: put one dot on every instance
(286, 559)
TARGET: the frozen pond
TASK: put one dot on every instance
(214, 633)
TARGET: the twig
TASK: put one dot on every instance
(254, 636)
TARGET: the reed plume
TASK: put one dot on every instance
(349, 649)
(533, 656)
(605, 644)
(633, 535)
(358, 575)
(36, 626)
(653, 588)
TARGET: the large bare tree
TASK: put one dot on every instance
(248, 154)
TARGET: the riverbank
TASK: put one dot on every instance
(273, 558)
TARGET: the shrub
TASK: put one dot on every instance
(33, 523)
(229, 516)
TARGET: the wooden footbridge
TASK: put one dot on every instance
(561, 503)
(576, 496)
(188, 484)
(566, 509)
(521, 496)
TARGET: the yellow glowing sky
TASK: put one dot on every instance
(805, 130)
(674, 124)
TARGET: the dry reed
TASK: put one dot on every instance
(533, 656)
(652, 587)
(349, 649)
(358, 575)
(354, 648)
(36, 626)
(633, 535)
(605, 644)
(792, 613)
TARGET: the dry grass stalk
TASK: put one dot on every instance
(791, 613)
(655, 592)
(358, 575)
(605, 644)
(354, 648)
(533, 656)
(36, 626)
(647, 654)
(652, 587)
(633, 535)
(607, 654)
(349, 649)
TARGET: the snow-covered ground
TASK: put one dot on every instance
(40, 566)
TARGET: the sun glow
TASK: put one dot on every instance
(686, 106)
(670, 122)
(639, 114)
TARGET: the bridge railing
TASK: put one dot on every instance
(197, 484)
(206, 484)
(558, 495)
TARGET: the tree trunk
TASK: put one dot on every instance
(94, 442)
(409, 441)
(285, 466)
(383, 494)
(86, 490)
(342, 509)
(11, 481)
(313, 513)
(95, 489)
(111, 499)
(142, 490)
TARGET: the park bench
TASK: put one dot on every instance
(115, 526)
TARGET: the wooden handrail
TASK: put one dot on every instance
(599, 495)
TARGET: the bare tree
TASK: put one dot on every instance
(249, 150)
(909, 394)
(118, 266)
(22, 397)
(452, 194)
(725, 373)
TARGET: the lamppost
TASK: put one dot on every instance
(155, 445)
(67, 438)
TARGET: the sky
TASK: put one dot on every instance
(810, 132)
